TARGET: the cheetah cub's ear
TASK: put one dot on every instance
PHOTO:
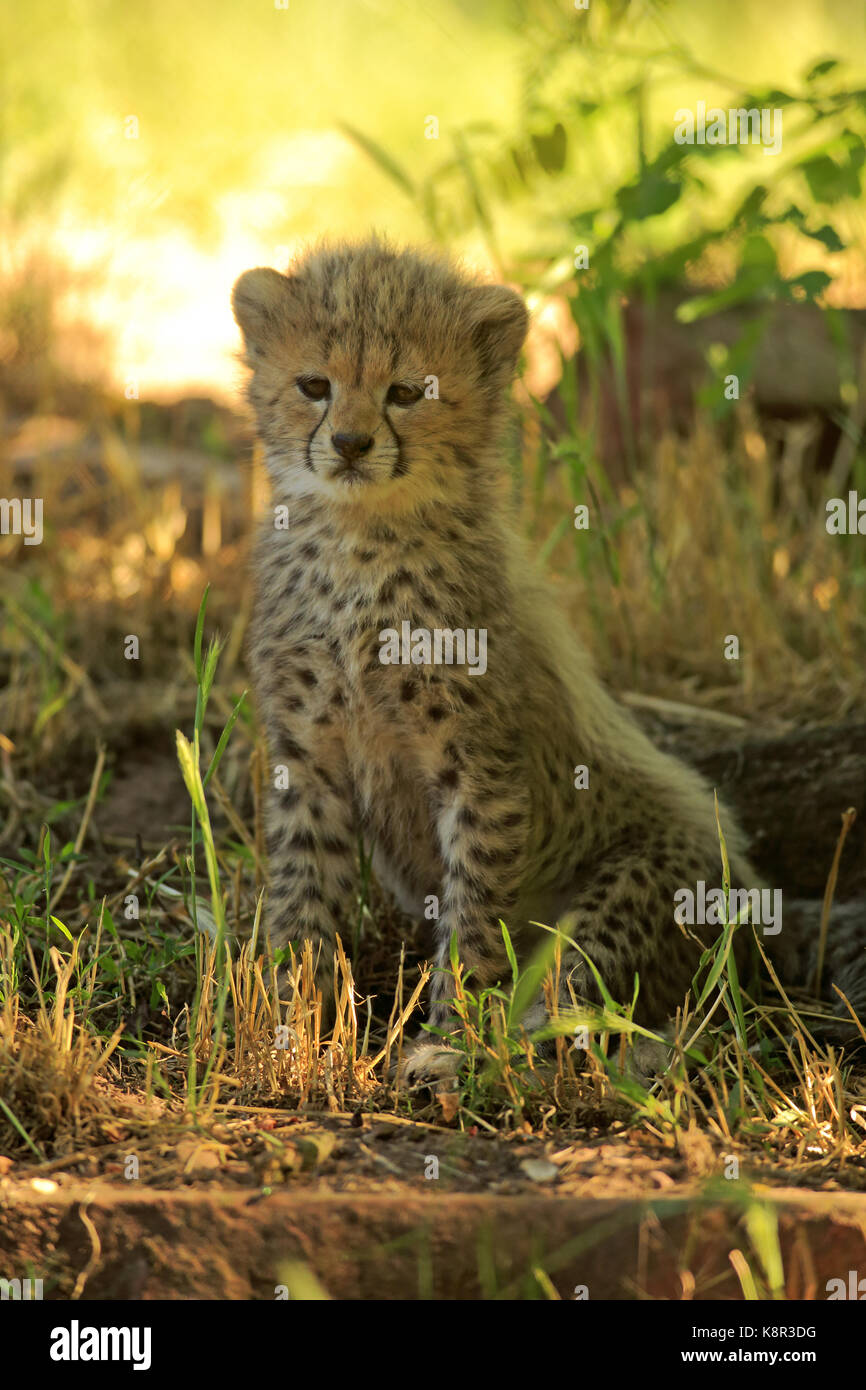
(260, 301)
(498, 321)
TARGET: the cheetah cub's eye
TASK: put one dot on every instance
(402, 394)
(315, 388)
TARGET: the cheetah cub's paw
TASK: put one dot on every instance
(431, 1064)
(650, 1058)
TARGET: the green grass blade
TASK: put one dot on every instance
(223, 740)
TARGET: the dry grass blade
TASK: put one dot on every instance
(848, 819)
(82, 829)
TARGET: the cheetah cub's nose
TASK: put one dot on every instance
(351, 446)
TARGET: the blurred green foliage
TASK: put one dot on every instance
(661, 209)
(519, 88)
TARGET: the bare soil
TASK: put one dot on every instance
(100, 1241)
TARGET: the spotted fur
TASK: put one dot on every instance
(463, 784)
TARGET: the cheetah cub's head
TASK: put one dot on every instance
(377, 374)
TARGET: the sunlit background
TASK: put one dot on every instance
(152, 152)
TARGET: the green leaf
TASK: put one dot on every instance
(199, 629)
(66, 932)
(108, 923)
(814, 282)
(721, 956)
(821, 69)
(650, 197)
(758, 279)
(476, 195)
(223, 740)
(827, 235)
(518, 159)
(560, 529)
(453, 953)
(188, 757)
(210, 664)
(158, 995)
(762, 1224)
(751, 206)
(551, 149)
(759, 254)
(528, 985)
(704, 305)
(737, 999)
(48, 712)
(726, 868)
(788, 1117)
(509, 951)
(830, 182)
(379, 156)
(16, 1124)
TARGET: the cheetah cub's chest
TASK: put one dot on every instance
(339, 595)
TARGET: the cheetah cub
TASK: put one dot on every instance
(416, 681)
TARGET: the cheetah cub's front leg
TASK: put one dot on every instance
(482, 826)
(310, 827)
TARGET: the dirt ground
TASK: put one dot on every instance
(98, 1241)
(370, 1206)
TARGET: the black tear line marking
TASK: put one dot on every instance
(309, 459)
(401, 467)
